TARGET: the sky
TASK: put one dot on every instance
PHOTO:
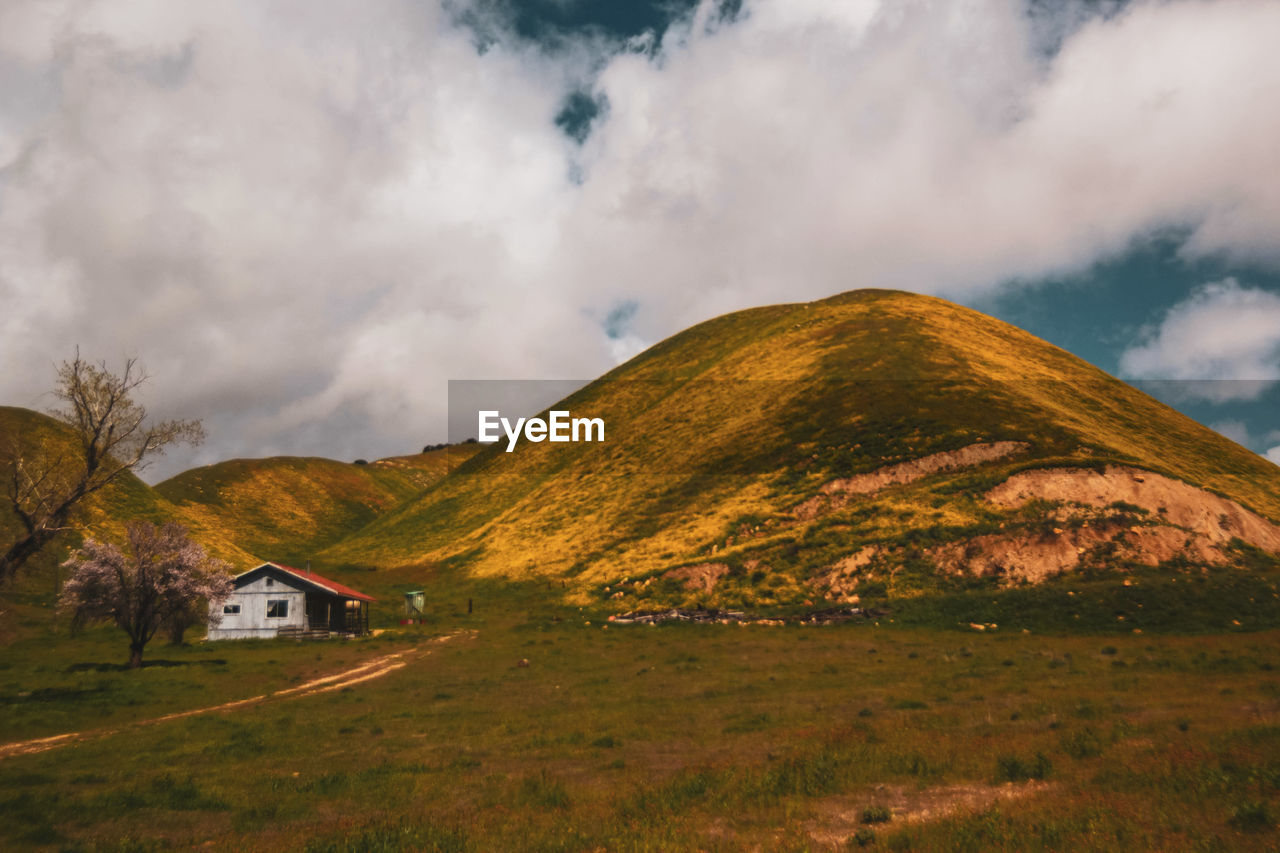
(305, 218)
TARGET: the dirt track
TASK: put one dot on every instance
(375, 668)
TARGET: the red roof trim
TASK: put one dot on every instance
(317, 580)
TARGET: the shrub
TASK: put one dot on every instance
(876, 814)
(1251, 816)
(864, 837)
(1084, 743)
(1011, 768)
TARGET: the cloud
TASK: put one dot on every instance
(1240, 433)
(1237, 431)
(1224, 339)
(313, 217)
(306, 217)
(807, 149)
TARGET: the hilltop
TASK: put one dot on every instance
(877, 442)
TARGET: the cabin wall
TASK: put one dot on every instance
(252, 619)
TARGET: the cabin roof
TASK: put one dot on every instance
(311, 578)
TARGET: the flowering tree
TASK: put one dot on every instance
(160, 582)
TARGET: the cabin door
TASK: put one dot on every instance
(318, 612)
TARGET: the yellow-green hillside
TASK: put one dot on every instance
(716, 435)
(103, 514)
(287, 508)
(242, 511)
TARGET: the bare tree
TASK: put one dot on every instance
(163, 580)
(46, 480)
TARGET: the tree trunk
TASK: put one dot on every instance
(21, 551)
(176, 633)
(135, 656)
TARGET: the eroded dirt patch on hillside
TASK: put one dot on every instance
(837, 493)
(1034, 557)
(701, 577)
(839, 582)
(1078, 518)
(1169, 501)
(839, 818)
(1119, 514)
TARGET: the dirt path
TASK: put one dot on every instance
(838, 818)
(371, 669)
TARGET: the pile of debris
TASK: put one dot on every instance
(652, 617)
(836, 615)
(724, 617)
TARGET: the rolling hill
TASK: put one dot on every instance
(243, 511)
(105, 513)
(876, 442)
(288, 508)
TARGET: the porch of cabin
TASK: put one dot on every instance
(336, 615)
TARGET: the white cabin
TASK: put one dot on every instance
(272, 597)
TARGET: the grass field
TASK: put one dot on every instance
(697, 737)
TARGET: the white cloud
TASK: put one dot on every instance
(1274, 454)
(791, 155)
(1224, 339)
(1234, 430)
(305, 217)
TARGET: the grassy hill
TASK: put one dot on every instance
(105, 513)
(287, 508)
(872, 445)
(27, 600)
(242, 511)
(734, 449)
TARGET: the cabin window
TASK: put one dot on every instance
(271, 581)
(231, 608)
(277, 608)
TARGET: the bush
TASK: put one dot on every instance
(876, 814)
(862, 838)
(1251, 816)
(1084, 743)
(1011, 768)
